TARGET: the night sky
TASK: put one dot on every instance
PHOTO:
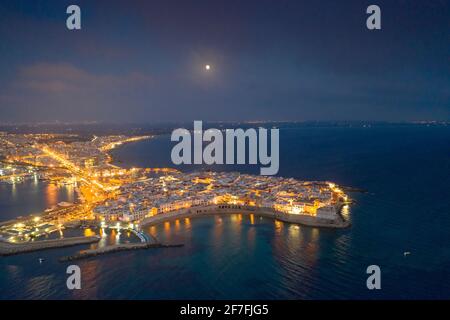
(144, 61)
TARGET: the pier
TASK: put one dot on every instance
(338, 223)
(8, 248)
(116, 248)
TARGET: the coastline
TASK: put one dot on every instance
(335, 222)
(114, 161)
(205, 211)
(84, 254)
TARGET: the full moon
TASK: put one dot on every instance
(207, 67)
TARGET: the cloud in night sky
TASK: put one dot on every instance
(38, 88)
(271, 60)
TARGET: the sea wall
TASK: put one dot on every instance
(7, 248)
(202, 211)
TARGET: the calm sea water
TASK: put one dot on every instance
(406, 170)
(31, 196)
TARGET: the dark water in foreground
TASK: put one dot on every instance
(406, 170)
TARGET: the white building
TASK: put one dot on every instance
(326, 212)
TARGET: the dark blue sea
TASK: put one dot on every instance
(406, 170)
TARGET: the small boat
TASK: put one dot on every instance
(406, 253)
(41, 260)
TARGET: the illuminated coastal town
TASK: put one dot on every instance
(111, 196)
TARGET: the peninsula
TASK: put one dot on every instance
(109, 195)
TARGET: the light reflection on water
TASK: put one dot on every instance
(39, 275)
(14, 191)
(91, 270)
(236, 243)
(51, 193)
(31, 196)
(345, 211)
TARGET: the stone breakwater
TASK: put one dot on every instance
(116, 248)
(7, 248)
(311, 221)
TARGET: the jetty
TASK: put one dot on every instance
(83, 254)
(8, 248)
(338, 222)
